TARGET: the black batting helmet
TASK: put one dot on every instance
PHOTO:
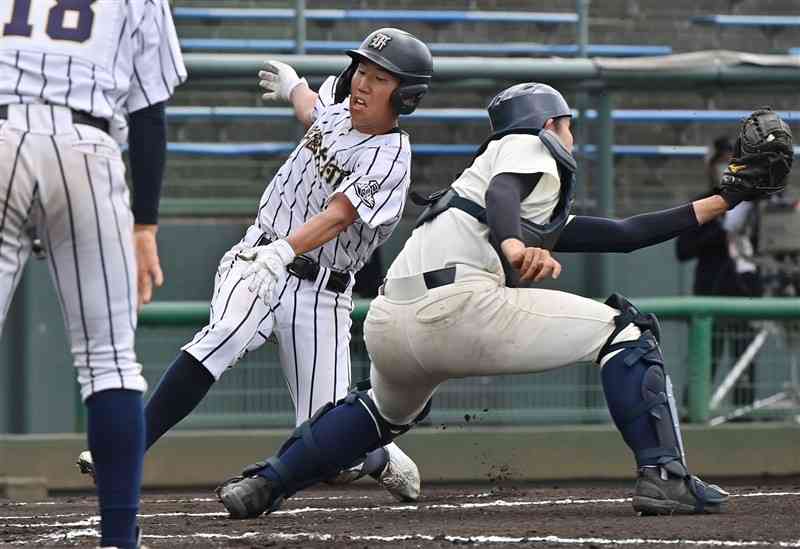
(399, 53)
(526, 106)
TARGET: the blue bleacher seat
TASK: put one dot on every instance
(328, 15)
(230, 45)
(426, 149)
(778, 21)
(187, 114)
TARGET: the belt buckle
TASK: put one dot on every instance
(338, 281)
(303, 267)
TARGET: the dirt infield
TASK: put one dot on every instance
(762, 513)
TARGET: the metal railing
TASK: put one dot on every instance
(253, 394)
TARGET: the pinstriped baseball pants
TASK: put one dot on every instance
(312, 326)
(66, 184)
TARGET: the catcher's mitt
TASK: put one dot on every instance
(762, 158)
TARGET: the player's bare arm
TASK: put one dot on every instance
(709, 208)
(148, 265)
(269, 262)
(281, 82)
(324, 226)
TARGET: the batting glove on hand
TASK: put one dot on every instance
(227, 261)
(278, 80)
(268, 266)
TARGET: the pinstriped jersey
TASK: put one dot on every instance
(104, 57)
(372, 171)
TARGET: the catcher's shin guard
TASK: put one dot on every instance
(639, 396)
(638, 391)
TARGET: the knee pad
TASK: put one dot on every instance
(628, 315)
(387, 430)
(639, 395)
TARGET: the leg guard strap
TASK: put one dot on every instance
(628, 314)
(387, 431)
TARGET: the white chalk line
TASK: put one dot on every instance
(496, 539)
(385, 508)
(82, 531)
(146, 500)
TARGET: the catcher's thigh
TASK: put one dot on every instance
(401, 387)
(491, 329)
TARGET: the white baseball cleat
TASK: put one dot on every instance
(85, 463)
(400, 477)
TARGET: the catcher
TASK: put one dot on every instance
(493, 229)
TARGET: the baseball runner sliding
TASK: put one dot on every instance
(337, 197)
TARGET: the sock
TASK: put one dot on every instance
(343, 435)
(116, 440)
(179, 392)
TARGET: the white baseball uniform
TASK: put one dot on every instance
(419, 337)
(310, 321)
(65, 180)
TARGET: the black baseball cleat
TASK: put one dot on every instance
(666, 490)
(249, 497)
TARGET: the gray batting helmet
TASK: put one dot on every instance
(526, 106)
(399, 53)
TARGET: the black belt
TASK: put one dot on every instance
(435, 279)
(78, 117)
(308, 269)
(439, 277)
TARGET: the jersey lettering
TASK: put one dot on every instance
(71, 20)
(68, 20)
(18, 26)
(330, 172)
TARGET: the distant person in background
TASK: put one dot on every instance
(722, 249)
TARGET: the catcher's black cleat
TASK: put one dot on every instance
(249, 497)
(659, 491)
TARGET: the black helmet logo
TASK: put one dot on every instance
(379, 41)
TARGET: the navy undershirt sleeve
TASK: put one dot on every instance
(147, 142)
(503, 198)
(602, 235)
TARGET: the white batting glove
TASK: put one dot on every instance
(268, 265)
(227, 261)
(278, 81)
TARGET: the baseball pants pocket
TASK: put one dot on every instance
(443, 311)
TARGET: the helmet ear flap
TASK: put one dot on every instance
(342, 89)
(406, 98)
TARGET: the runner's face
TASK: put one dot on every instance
(370, 92)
